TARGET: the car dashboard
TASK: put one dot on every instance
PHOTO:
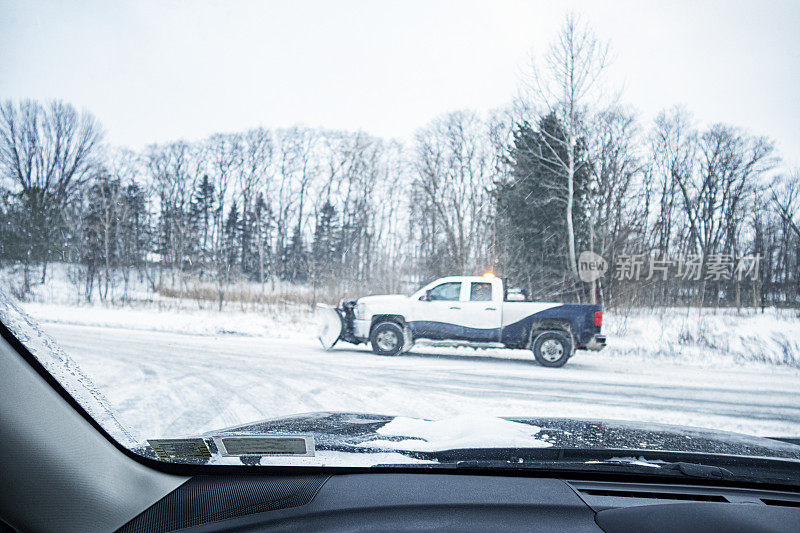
(457, 502)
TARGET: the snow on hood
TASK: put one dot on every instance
(360, 439)
(458, 432)
(367, 432)
(381, 298)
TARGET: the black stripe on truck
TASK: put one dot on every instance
(580, 317)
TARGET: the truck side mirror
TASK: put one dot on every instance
(426, 297)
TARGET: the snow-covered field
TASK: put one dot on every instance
(172, 373)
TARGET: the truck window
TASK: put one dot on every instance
(450, 292)
(480, 292)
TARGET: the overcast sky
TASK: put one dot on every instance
(162, 70)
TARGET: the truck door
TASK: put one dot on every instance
(438, 312)
(481, 310)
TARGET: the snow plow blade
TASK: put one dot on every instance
(331, 325)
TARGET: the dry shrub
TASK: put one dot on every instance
(243, 294)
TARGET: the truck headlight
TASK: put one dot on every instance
(360, 312)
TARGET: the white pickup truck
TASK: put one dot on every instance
(473, 310)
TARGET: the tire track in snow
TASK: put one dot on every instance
(182, 384)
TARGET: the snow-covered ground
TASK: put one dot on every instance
(173, 373)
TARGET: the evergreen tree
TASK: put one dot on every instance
(326, 248)
(261, 225)
(168, 233)
(247, 242)
(531, 200)
(297, 258)
(232, 233)
(33, 230)
(201, 211)
(134, 230)
(201, 220)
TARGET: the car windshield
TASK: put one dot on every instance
(211, 215)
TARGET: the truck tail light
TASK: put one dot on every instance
(598, 318)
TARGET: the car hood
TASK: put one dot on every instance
(372, 432)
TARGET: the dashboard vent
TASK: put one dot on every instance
(643, 495)
(601, 495)
(781, 503)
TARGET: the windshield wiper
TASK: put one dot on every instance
(701, 471)
(661, 468)
(637, 462)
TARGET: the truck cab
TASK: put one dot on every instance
(458, 308)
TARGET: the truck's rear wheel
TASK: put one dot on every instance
(387, 338)
(552, 348)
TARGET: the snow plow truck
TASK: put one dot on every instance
(476, 311)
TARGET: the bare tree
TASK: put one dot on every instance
(567, 84)
(673, 154)
(253, 179)
(617, 214)
(785, 196)
(779, 241)
(49, 149)
(453, 167)
(46, 154)
(715, 195)
(225, 160)
(297, 165)
(174, 169)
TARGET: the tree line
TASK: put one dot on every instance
(521, 191)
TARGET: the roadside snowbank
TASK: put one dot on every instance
(707, 336)
(295, 323)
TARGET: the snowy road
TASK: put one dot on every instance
(168, 384)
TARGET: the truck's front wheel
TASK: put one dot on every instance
(387, 338)
(552, 348)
